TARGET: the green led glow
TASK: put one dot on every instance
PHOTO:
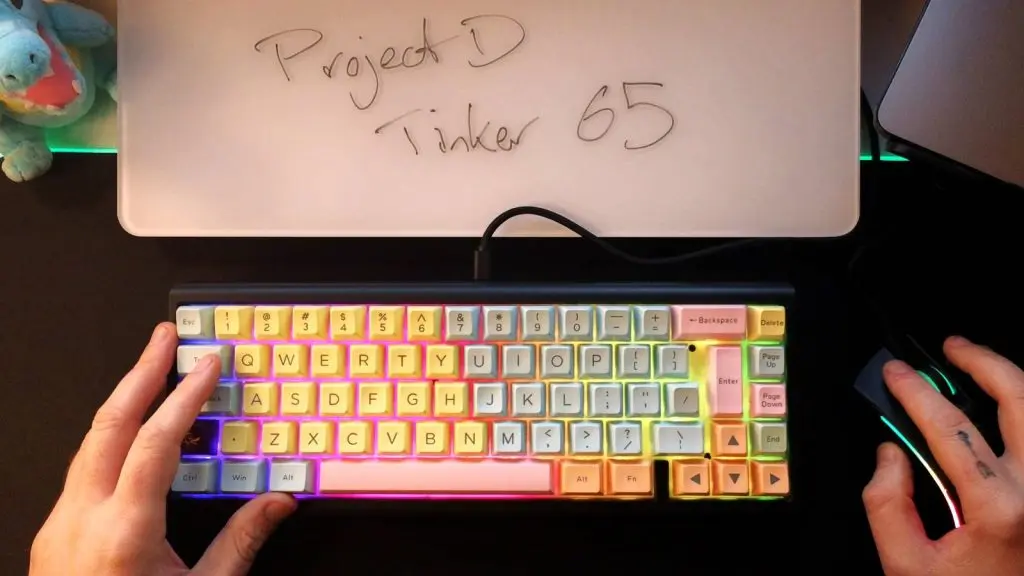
(957, 520)
(930, 380)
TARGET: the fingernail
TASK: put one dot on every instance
(278, 511)
(897, 368)
(206, 362)
(161, 333)
(958, 341)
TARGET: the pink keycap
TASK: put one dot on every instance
(768, 400)
(725, 380)
(709, 322)
(436, 477)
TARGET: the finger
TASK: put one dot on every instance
(153, 458)
(97, 465)
(895, 524)
(233, 550)
(1000, 379)
(958, 447)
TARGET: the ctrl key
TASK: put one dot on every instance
(195, 477)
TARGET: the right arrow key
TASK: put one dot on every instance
(770, 478)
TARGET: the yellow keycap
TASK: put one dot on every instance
(348, 322)
(405, 361)
(450, 399)
(355, 438)
(316, 438)
(309, 322)
(252, 361)
(337, 399)
(413, 399)
(233, 322)
(259, 399)
(424, 323)
(375, 399)
(280, 438)
(291, 360)
(327, 361)
(273, 322)
(470, 438)
(386, 323)
(298, 399)
(766, 323)
(366, 360)
(442, 361)
(239, 438)
(432, 438)
(394, 437)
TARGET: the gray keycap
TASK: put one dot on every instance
(585, 438)
(190, 355)
(517, 361)
(528, 399)
(672, 361)
(197, 476)
(575, 323)
(296, 476)
(767, 361)
(248, 476)
(490, 399)
(194, 322)
(651, 322)
(226, 399)
(678, 438)
(567, 399)
(556, 361)
(509, 438)
(462, 322)
(481, 361)
(634, 361)
(538, 323)
(595, 361)
(626, 438)
(613, 323)
(500, 323)
(769, 438)
(682, 399)
(605, 399)
(547, 438)
(643, 399)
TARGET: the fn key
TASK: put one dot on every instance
(201, 439)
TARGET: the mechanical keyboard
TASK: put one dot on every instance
(480, 391)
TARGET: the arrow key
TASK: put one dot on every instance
(771, 478)
(730, 478)
(728, 439)
(690, 478)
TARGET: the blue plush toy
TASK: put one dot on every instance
(48, 77)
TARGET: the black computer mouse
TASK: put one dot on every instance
(954, 386)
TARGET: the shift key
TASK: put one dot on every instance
(725, 380)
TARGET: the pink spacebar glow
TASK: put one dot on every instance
(439, 476)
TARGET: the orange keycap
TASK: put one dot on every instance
(630, 477)
(770, 478)
(728, 439)
(709, 322)
(581, 478)
(730, 478)
(690, 478)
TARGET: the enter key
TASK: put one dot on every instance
(725, 381)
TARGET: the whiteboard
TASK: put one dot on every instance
(637, 118)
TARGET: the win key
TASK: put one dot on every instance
(201, 439)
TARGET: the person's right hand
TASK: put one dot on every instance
(991, 487)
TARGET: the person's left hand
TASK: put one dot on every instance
(111, 517)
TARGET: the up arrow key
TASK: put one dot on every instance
(733, 441)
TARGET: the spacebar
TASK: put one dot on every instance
(438, 476)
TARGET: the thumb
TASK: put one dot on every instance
(234, 549)
(895, 524)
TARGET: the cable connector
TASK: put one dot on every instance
(481, 264)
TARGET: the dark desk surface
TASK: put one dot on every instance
(79, 297)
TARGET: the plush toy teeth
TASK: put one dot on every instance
(76, 86)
